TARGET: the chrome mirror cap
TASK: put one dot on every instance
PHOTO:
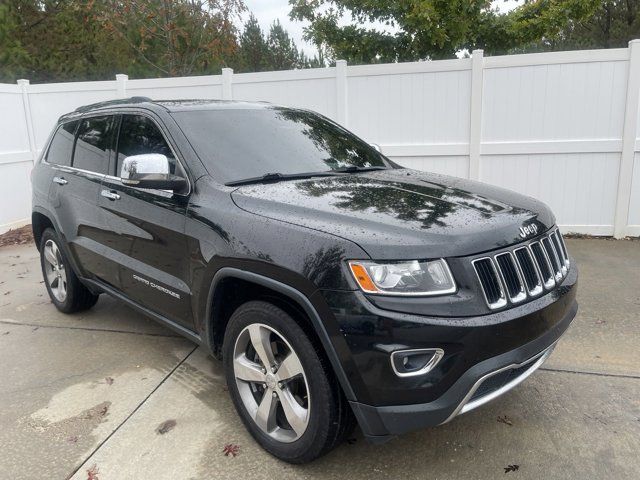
(148, 163)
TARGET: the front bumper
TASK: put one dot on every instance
(485, 356)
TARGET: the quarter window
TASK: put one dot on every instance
(61, 147)
(140, 135)
(93, 143)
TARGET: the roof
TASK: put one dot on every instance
(167, 105)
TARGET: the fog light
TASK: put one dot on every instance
(409, 363)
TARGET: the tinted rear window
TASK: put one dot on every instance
(93, 143)
(236, 144)
(61, 147)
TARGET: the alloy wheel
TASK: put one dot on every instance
(55, 270)
(271, 382)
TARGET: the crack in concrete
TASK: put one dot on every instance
(144, 400)
(108, 330)
(598, 374)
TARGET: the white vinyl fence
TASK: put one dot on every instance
(562, 127)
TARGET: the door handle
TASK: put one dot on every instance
(60, 180)
(110, 195)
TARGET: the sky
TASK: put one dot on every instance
(267, 11)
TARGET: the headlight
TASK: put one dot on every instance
(414, 277)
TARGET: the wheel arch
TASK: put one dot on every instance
(282, 295)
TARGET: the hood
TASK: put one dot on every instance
(401, 213)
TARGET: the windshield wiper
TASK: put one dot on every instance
(354, 169)
(276, 177)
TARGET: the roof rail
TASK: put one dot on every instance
(93, 106)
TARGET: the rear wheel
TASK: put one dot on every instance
(281, 385)
(66, 291)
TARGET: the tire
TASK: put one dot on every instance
(66, 291)
(328, 418)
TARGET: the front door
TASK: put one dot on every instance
(146, 227)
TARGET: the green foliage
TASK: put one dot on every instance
(277, 51)
(282, 51)
(253, 47)
(370, 31)
(65, 40)
(175, 37)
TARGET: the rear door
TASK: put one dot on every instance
(76, 187)
(146, 226)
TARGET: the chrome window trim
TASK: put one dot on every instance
(465, 405)
(502, 301)
(105, 176)
(438, 353)
(537, 290)
(520, 296)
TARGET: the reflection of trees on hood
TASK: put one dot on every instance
(403, 204)
(343, 148)
(428, 208)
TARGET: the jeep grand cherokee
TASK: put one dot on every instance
(336, 286)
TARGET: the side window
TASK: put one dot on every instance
(138, 135)
(93, 143)
(61, 147)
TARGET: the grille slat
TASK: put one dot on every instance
(553, 256)
(526, 271)
(529, 270)
(510, 276)
(491, 286)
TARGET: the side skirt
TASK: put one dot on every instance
(185, 332)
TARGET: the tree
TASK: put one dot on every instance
(403, 30)
(613, 25)
(50, 40)
(253, 47)
(175, 37)
(283, 53)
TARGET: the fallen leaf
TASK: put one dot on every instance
(511, 468)
(231, 449)
(92, 473)
(166, 426)
(109, 380)
(73, 439)
(506, 420)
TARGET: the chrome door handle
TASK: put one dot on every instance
(60, 180)
(110, 195)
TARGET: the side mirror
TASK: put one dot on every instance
(150, 170)
(376, 146)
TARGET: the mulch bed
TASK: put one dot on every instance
(17, 236)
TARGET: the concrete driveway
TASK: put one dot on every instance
(109, 394)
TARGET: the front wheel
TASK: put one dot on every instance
(281, 385)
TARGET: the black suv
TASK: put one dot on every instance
(336, 286)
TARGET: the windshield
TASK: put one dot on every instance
(236, 144)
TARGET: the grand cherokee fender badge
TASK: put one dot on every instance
(527, 230)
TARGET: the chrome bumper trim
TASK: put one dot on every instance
(466, 405)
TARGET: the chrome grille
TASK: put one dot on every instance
(524, 272)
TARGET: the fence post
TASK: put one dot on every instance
(628, 142)
(121, 85)
(341, 92)
(475, 124)
(26, 105)
(227, 83)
